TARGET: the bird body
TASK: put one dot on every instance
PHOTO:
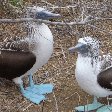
(25, 56)
(44, 45)
(93, 72)
(43, 48)
(34, 52)
(86, 76)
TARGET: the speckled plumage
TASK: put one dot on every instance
(91, 65)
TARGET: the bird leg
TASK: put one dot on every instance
(31, 80)
(22, 88)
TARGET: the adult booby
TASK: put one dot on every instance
(24, 57)
(93, 72)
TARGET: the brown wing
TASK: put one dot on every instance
(15, 63)
(104, 79)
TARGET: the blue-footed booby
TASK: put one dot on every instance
(93, 72)
(25, 56)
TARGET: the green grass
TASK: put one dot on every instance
(16, 3)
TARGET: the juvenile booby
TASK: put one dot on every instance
(93, 72)
(24, 57)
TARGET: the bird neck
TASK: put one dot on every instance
(93, 53)
(40, 36)
(39, 32)
(33, 29)
(92, 56)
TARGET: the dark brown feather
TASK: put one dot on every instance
(15, 63)
(104, 79)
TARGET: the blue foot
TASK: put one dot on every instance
(107, 108)
(88, 107)
(41, 89)
(95, 105)
(35, 98)
(30, 95)
(35, 93)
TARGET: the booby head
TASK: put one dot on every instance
(86, 46)
(41, 13)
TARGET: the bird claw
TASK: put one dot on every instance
(88, 107)
(35, 98)
(40, 89)
(107, 108)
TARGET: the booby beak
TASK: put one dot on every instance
(78, 47)
(45, 15)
